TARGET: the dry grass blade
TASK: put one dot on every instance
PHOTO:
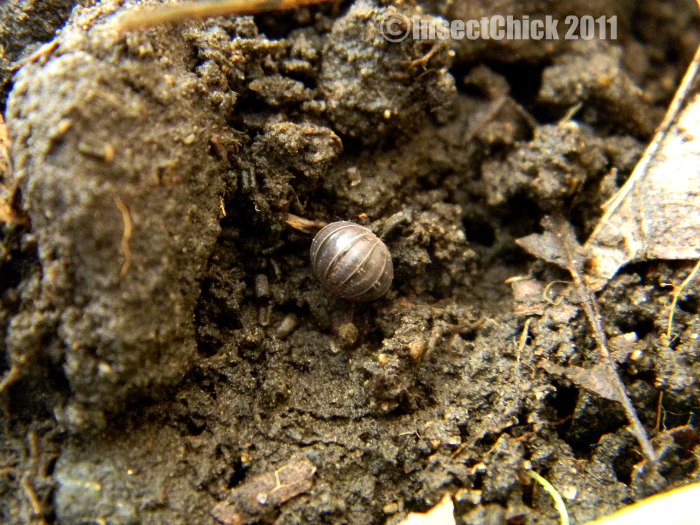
(143, 18)
(554, 494)
(558, 245)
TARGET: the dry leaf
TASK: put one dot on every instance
(595, 380)
(528, 297)
(440, 514)
(677, 507)
(656, 214)
(556, 245)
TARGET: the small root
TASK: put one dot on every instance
(677, 291)
(425, 58)
(126, 235)
(545, 293)
(523, 338)
(660, 413)
(41, 53)
(554, 494)
(11, 377)
(30, 493)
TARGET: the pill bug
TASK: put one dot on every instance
(351, 262)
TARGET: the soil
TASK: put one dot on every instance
(167, 353)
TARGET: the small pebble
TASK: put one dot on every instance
(287, 326)
(262, 286)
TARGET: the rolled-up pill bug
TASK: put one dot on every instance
(351, 262)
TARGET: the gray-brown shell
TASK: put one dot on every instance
(351, 262)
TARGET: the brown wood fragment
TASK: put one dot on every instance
(261, 496)
(304, 225)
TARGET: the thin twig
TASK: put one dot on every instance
(425, 58)
(143, 18)
(570, 113)
(43, 52)
(590, 306)
(558, 245)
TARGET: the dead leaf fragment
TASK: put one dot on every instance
(528, 297)
(8, 188)
(656, 214)
(556, 245)
(303, 225)
(595, 380)
(262, 495)
(676, 507)
(440, 514)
